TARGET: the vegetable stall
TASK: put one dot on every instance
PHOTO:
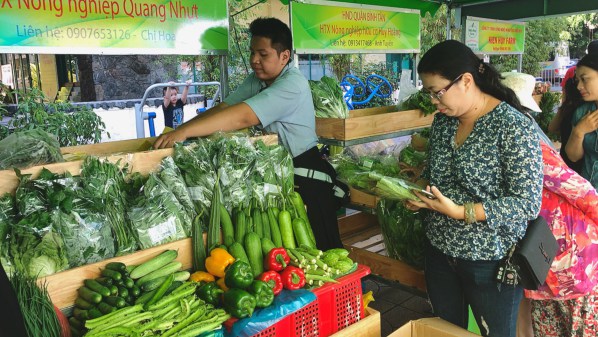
(240, 254)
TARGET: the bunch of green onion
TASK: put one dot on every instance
(36, 307)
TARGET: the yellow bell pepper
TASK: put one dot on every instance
(217, 262)
(202, 276)
(221, 284)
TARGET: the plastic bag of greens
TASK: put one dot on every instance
(171, 176)
(103, 185)
(273, 173)
(158, 216)
(29, 148)
(86, 232)
(235, 156)
(35, 247)
(403, 232)
(195, 161)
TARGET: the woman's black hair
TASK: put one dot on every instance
(274, 29)
(590, 61)
(452, 58)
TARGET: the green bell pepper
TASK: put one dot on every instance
(239, 303)
(210, 293)
(263, 293)
(238, 275)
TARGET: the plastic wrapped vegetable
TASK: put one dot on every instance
(328, 98)
(403, 232)
(29, 148)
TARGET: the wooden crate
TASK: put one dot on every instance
(109, 148)
(63, 286)
(369, 326)
(371, 122)
(361, 198)
(143, 162)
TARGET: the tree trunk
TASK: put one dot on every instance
(88, 91)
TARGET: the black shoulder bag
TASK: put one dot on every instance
(529, 261)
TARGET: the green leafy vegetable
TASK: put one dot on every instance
(328, 98)
(402, 231)
(29, 148)
(419, 100)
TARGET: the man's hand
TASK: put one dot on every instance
(168, 139)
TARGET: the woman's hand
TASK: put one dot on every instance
(589, 123)
(441, 204)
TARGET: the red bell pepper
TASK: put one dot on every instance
(293, 278)
(277, 259)
(273, 279)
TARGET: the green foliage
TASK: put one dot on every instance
(548, 104)
(580, 32)
(72, 125)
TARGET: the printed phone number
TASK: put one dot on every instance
(98, 33)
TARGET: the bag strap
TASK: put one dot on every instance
(314, 174)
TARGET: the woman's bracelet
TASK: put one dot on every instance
(469, 208)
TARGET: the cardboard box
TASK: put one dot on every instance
(431, 327)
(371, 122)
(369, 326)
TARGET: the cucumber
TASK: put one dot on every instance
(253, 248)
(266, 225)
(123, 292)
(105, 308)
(286, 229)
(241, 226)
(118, 266)
(135, 291)
(115, 301)
(198, 248)
(214, 224)
(238, 252)
(258, 228)
(301, 233)
(153, 264)
(113, 274)
(97, 287)
(228, 233)
(267, 246)
(89, 295)
(165, 270)
(145, 297)
(73, 321)
(161, 290)
(82, 304)
(113, 290)
(274, 229)
(94, 313)
(106, 281)
(81, 314)
(128, 282)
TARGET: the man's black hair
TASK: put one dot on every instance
(593, 47)
(274, 29)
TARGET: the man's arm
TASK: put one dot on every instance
(185, 92)
(234, 117)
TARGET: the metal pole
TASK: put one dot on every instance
(519, 62)
(449, 34)
(223, 77)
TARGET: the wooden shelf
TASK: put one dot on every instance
(361, 235)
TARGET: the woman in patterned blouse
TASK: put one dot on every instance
(485, 170)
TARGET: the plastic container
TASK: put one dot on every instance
(337, 306)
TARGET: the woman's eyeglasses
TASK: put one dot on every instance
(438, 94)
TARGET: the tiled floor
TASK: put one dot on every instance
(396, 303)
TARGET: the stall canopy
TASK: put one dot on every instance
(495, 9)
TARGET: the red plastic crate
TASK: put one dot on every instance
(337, 306)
